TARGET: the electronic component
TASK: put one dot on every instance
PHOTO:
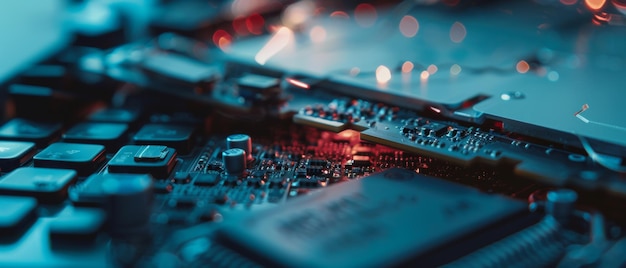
(182, 70)
(84, 158)
(155, 160)
(241, 141)
(234, 161)
(16, 215)
(14, 154)
(257, 87)
(27, 130)
(416, 214)
(179, 137)
(76, 227)
(108, 134)
(46, 184)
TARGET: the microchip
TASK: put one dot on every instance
(392, 218)
(361, 160)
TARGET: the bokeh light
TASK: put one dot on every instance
(595, 4)
(222, 39)
(432, 69)
(317, 34)
(407, 67)
(409, 26)
(522, 67)
(383, 74)
(457, 32)
(424, 76)
(339, 14)
(455, 69)
(255, 23)
(365, 15)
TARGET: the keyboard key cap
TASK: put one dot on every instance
(110, 135)
(84, 158)
(14, 154)
(46, 184)
(16, 215)
(115, 115)
(26, 130)
(129, 159)
(176, 136)
(102, 188)
(76, 227)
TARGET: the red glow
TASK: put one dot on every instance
(255, 23)
(498, 125)
(239, 24)
(365, 15)
(340, 14)
(222, 39)
(297, 83)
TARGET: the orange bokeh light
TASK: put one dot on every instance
(595, 4)
(522, 67)
(407, 67)
(222, 39)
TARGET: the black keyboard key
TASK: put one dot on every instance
(179, 137)
(46, 184)
(84, 158)
(102, 188)
(26, 130)
(115, 115)
(110, 135)
(16, 215)
(76, 227)
(13, 154)
(155, 160)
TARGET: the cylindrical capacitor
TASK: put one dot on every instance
(130, 199)
(234, 161)
(560, 204)
(241, 141)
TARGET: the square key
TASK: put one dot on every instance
(75, 227)
(16, 215)
(84, 158)
(110, 135)
(18, 129)
(15, 153)
(179, 137)
(46, 184)
(115, 115)
(156, 160)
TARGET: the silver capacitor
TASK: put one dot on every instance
(241, 141)
(234, 161)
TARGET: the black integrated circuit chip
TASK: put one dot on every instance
(392, 218)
